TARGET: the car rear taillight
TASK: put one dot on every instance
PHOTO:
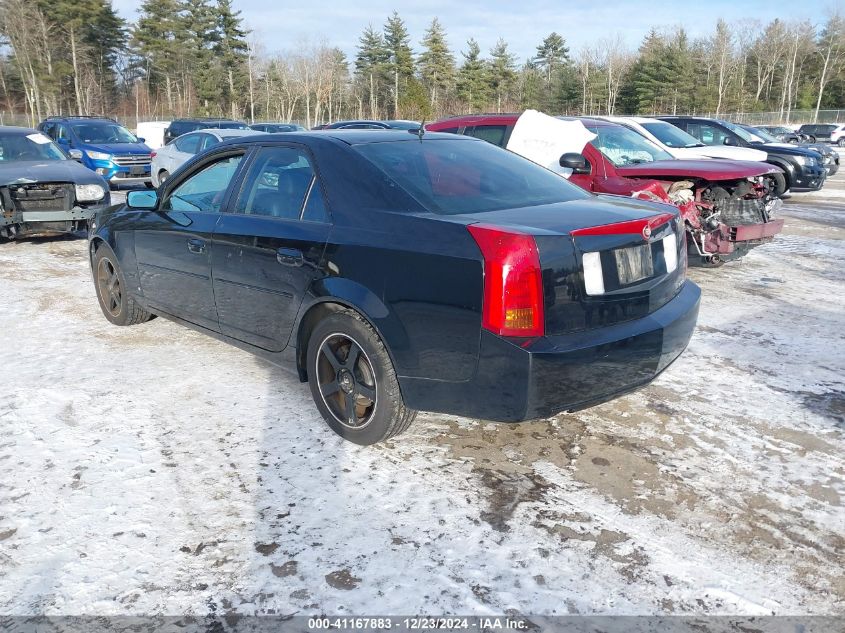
(152, 154)
(513, 282)
(644, 227)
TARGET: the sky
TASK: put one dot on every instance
(523, 24)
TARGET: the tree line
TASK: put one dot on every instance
(197, 58)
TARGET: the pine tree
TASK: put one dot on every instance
(200, 24)
(400, 58)
(158, 38)
(502, 72)
(473, 77)
(551, 54)
(436, 63)
(371, 63)
(231, 54)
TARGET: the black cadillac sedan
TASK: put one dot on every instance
(396, 273)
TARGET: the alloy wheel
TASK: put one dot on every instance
(108, 285)
(346, 381)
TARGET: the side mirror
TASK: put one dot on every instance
(75, 154)
(142, 199)
(576, 162)
(141, 139)
(730, 140)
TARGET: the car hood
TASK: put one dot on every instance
(786, 148)
(719, 151)
(26, 172)
(119, 148)
(708, 169)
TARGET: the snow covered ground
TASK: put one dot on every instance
(152, 470)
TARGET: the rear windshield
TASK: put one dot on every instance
(451, 177)
(231, 125)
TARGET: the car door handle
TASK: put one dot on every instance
(196, 246)
(290, 257)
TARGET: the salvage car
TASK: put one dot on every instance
(680, 144)
(802, 168)
(397, 273)
(829, 156)
(103, 145)
(169, 158)
(728, 206)
(42, 190)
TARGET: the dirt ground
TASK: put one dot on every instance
(154, 470)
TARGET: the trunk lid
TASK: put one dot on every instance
(604, 259)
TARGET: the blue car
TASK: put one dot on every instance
(102, 145)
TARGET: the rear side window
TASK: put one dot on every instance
(707, 134)
(189, 143)
(449, 177)
(491, 133)
(282, 184)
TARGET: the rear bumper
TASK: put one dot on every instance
(548, 375)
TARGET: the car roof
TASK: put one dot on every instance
(9, 130)
(226, 132)
(349, 137)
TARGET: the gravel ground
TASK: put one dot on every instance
(152, 470)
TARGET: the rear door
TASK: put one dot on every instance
(173, 249)
(268, 250)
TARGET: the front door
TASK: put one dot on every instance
(173, 249)
(266, 253)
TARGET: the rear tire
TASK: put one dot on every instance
(353, 381)
(841, 142)
(118, 306)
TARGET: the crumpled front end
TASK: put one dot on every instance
(31, 209)
(724, 221)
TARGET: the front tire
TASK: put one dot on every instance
(118, 306)
(353, 381)
(162, 176)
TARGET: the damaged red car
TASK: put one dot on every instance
(727, 206)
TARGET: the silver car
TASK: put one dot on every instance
(183, 148)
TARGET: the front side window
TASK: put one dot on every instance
(282, 184)
(204, 191)
(100, 132)
(449, 177)
(622, 146)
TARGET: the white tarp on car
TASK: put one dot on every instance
(543, 139)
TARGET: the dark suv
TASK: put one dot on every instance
(178, 127)
(103, 146)
(803, 168)
(825, 132)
